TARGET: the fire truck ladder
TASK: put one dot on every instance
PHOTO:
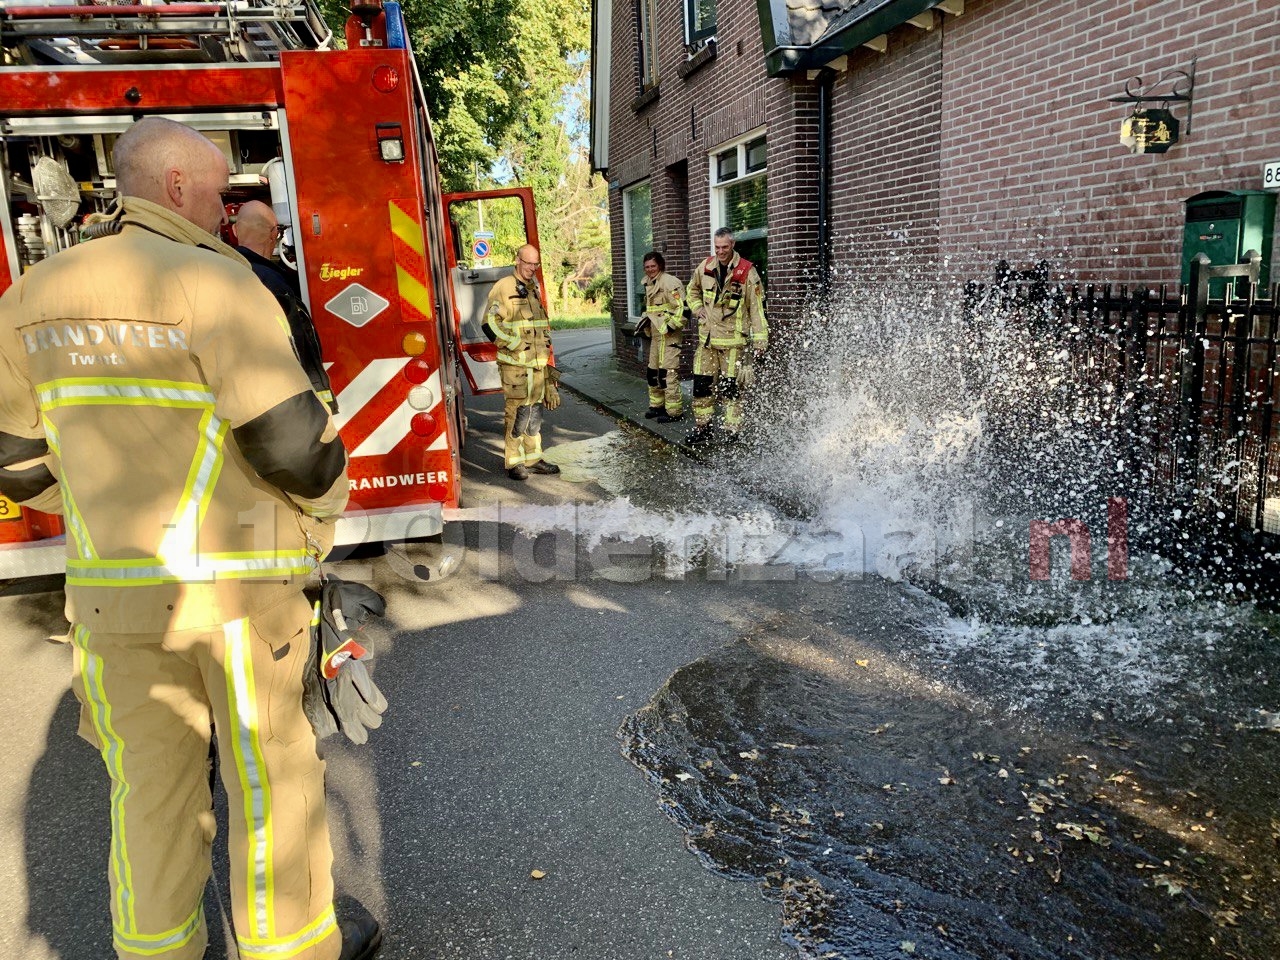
(183, 32)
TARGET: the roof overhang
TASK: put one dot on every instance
(868, 20)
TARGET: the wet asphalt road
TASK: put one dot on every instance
(499, 757)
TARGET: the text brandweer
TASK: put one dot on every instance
(93, 334)
(399, 480)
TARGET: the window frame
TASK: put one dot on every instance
(718, 187)
(697, 38)
(647, 30)
(632, 256)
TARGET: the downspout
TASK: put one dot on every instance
(826, 85)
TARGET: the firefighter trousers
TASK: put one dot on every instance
(715, 372)
(524, 387)
(662, 374)
(148, 702)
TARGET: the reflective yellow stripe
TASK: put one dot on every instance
(204, 568)
(246, 749)
(283, 947)
(76, 525)
(509, 340)
(112, 749)
(153, 944)
(181, 541)
(412, 291)
(407, 229)
(89, 391)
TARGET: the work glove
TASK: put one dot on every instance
(551, 399)
(338, 693)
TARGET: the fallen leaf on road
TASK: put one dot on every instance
(537, 874)
(749, 754)
(1169, 883)
(684, 776)
(863, 663)
(906, 946)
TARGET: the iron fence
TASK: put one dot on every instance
(1186, 383)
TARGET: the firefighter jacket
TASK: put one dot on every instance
(664, 304)
(518, 323)
(734, 300)
(148, 379)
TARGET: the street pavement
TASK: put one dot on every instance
(498, 758)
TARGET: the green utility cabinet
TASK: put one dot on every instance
(1226, 224)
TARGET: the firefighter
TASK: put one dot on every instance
(664, 313)
(727, 297)
(149, 393)
(258, 231)
(517, 322)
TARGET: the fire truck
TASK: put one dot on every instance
(336, 136)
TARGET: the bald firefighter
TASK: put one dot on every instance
(664, 311)
(149, 394)
(727, 297)
(517, 322)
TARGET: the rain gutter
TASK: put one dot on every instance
(826, 84)
(879, 18)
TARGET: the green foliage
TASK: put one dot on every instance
(492, 71)
(581, 321)
(506, 84)
(600, 290)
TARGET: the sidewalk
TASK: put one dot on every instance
(589, 370)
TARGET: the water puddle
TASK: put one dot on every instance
(1057, 749)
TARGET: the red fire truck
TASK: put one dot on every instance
(339, 141)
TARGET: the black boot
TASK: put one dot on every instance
(518, 472)
(361, 935)
(653, 412)
(669, 418)
(543, 467)
(699, 436)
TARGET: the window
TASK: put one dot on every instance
(648, 44)
(637, 221)
(699, 21)
(739, 196)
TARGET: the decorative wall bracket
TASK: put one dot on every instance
(1176, 86)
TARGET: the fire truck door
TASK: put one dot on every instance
(485, 229)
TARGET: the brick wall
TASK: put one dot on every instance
(987, 138)
(668, 142)
(886, 130)
(1031, 163)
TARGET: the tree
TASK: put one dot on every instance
(506, 84)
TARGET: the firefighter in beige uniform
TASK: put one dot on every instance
(517, 322)
(664, 313)
(149, 394)
(727, 297)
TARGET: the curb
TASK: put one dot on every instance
(623, 417)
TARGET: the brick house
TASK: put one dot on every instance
(936, 137)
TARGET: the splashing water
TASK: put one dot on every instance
(1026, 791)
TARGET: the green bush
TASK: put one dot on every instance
(600, 290)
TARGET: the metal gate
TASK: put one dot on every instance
(1193, 382)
